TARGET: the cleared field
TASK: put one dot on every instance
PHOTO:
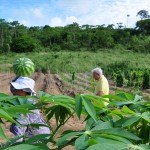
(79, 62)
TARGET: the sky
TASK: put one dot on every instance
(63, 12)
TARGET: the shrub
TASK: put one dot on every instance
(23, 44)
(146, 80)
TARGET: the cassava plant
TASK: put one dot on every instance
(124, 124)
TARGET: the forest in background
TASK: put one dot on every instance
(15, 37)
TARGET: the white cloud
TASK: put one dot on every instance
(114, 12)
(93, 12)
(70, 20)
(76, 7)
(37, 13)
(56, 21)
(24, 22)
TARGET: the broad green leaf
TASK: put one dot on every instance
(125, 95)
(127, 110)
(81, 142)
(12, 141)
(120, 122)
(112, 139)
(4, 114)
(28, 147)
(92, 141)
(67, 136)
(57, 114)
(137, 98)
(8, 98)
(118, 146)
(3, 94)
(90, 122)
(60, 99)
(57, 111)
(114, 97)
(2, 134)
(146, 116)
(118, 112)
(100, 103)
(41, 94)
(64, 105)
(18, 110)
(90, 108)
(108, 146)
(23, 100)
(97, 101)
(104, 125)
(78, 105)
(144, 147)
(50, 114)
(139, 147)
(37, 138)
(131, 120)
(121, 104)
(115, 139)
(117, 131)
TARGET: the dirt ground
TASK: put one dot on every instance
(52, 84)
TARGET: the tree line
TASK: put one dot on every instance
(15, 37)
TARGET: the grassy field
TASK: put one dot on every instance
(65, 61)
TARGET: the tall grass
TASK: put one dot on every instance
(65, 61)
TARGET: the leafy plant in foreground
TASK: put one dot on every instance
(122, 124)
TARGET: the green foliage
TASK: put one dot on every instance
(28, 147)
(119, 80)
(146, 80)
(143, 14)
(56, 48)
(23, 44)
(16, 37)
(144, 26)
(123, 124)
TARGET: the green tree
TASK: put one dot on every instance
(103, 38)
(5, 36)
(23, 44)
(143, 14)
(143, 26)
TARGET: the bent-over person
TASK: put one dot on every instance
(102, 85)
(24, 86)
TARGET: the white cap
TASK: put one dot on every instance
(24, 83)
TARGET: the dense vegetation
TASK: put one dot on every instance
(16, 37)
(123, 124)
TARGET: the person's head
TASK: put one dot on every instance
(97, 72)
(22, 86)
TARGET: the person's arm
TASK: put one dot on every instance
(100, 89)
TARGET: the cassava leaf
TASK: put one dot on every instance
(78, 105)
(89, 108)
(67, 136)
